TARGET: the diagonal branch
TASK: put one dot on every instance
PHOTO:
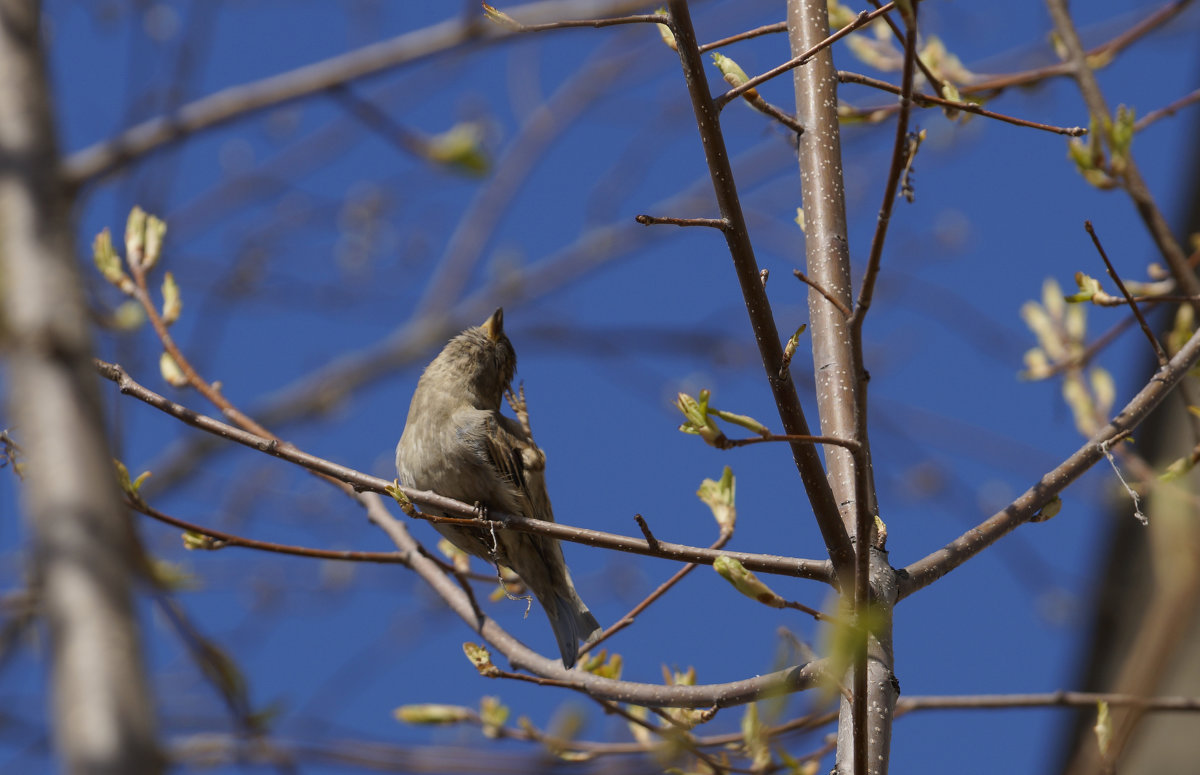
(246, 99)
(762, 320)
(463, 513)
(1131, 176)
(929, 569)
(522, 657)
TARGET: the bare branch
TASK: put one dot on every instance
(859, 21)
(522, 658)
(929, 569)
(1135, 186)
(1060, 699)
(835, 301)
(240, 101)
(1168, 110)
(222, 539)
(766, 333)
(712, 223)
(83, 551)
(766, 29)
(464, 513)
(925, 100)
(1159, 352)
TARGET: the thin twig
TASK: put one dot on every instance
(758, 308)
(849, 444)
(641, 523)
(361, 482)
(863, 515)
(661, 590)
(245, 99)
(643, 18)
(223, 539)
(1064, 699)
(1159, 352)
(1131, 179)
(1105, 52)
(754, 33)
(925, 100)
(859, 21)
(521, 657)
(1168, 110)
(937, 564)
(821, 290)
(756, 101)
(937, 83)
(654, 220)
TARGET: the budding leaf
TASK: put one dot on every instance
(755, 735)
(1088, 288)
(497, 16)
(697, 421)
(746, 582)
(135, 235)
(430, 713)
(130, 487)
(109, 263)
(481, 659)
(601, 664)
(170, 370)
(461, 147)
(493, 714)
(1103, 728)
(734, 75)
(745, 421)
(719, 496)
(668, 37)
(1049, 511)
(156, 230)
(172, 301)
(406, 505)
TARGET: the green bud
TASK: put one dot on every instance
(496, 16)
(431, 713)
(697, 421)
(481, 659)
(1103, 727)
(1088, 288)
(746, 582)
(719, 496)
(172, 301)
(734, 75)
(493, 714)
(460, 147)
(668, 37)
(135, 235)
(109, 263)
(170, 370)
(156, 230)
(601, 664)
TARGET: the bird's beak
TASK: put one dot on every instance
(494, 326)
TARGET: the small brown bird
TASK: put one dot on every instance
(456, 443)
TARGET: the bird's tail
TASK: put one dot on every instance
(573, 623)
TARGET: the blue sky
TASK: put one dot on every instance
(335, 234)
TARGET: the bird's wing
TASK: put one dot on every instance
(500, 444)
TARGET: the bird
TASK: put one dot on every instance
(457, 443)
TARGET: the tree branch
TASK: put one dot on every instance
(523, 658)
(84, 551)
(237, 102)
(929, 569)
(766, 333)
(463, 513)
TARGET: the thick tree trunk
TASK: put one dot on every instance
(83, 550)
